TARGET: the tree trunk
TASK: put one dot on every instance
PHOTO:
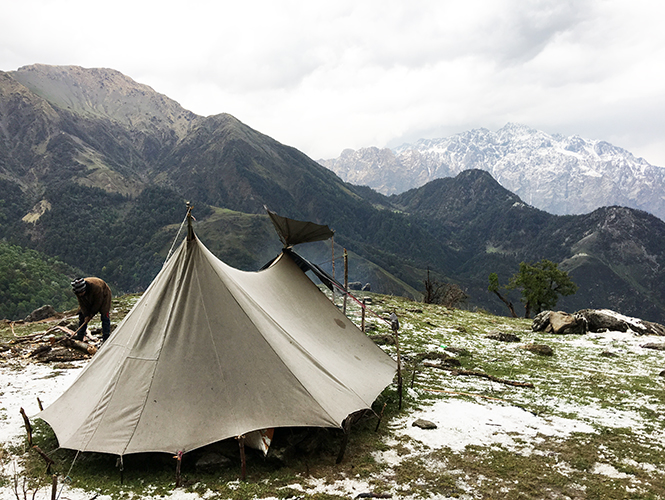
(509, 304)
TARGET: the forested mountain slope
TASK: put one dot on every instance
(95, 170)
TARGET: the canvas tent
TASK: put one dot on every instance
(211, 352)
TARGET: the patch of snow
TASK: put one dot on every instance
(20, 386)
(463, 423)
(609, 471)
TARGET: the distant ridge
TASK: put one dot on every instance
(558, 174)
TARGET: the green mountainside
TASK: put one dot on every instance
(95, 170)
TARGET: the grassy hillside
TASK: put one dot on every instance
(590, 426)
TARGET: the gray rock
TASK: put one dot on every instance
(424, 424)
(540, 349)
(367, 288)
(601, 321)
(41, 313)
(503, 337)
(657, 347)
(541, 321)
(562, 323)
(355, 285)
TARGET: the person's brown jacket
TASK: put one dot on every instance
(96, 299)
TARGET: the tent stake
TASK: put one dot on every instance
(345, 439)
(380, 417)
(243, 459)
(54, 487)
(178, 477)
(28, 427)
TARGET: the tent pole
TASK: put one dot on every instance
(345, 439)
(178, 477)
(362, 320)
(346, 279)
(332, 246)
(243, 458)
(190, 231)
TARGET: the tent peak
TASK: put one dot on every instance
(292, 231)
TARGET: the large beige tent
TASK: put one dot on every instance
(211, 352)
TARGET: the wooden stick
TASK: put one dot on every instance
(39, 403)
(456, 371)
(243, 459)
(178, 477)
(28, 427)
(345, 439)
(46, 458)
(54, 487)
(346, 280)
(362, 320)
(465, 394)
(380, 417)
(399, 369)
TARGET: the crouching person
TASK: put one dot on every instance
(94, 296)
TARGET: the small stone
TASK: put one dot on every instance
(424, 424)
(662, 374)
(540, 349)
(503, 337)
(658, 347)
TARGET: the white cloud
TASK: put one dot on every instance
(323, 76)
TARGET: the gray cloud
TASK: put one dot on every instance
(323, 76)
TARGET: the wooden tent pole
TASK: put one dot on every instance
(362, 319)
(345, 439)
(346, 279)
(243, 458)
(178, 477)
(28, 427)
(332, 246)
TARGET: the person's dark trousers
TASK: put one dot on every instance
(106, 327)
(81, 330)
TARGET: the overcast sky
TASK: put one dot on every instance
(323, 76)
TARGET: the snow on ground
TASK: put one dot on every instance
(462, 423)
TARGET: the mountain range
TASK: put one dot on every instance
(95, 169)
(561, 175)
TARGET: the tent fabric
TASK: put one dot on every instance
(211, 352)
(292, 232)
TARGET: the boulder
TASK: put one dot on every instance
(424, 424)
(541, 321)
(367, 288)
(41, 313)
(355, 285)
(602, 320)
(562, 323)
